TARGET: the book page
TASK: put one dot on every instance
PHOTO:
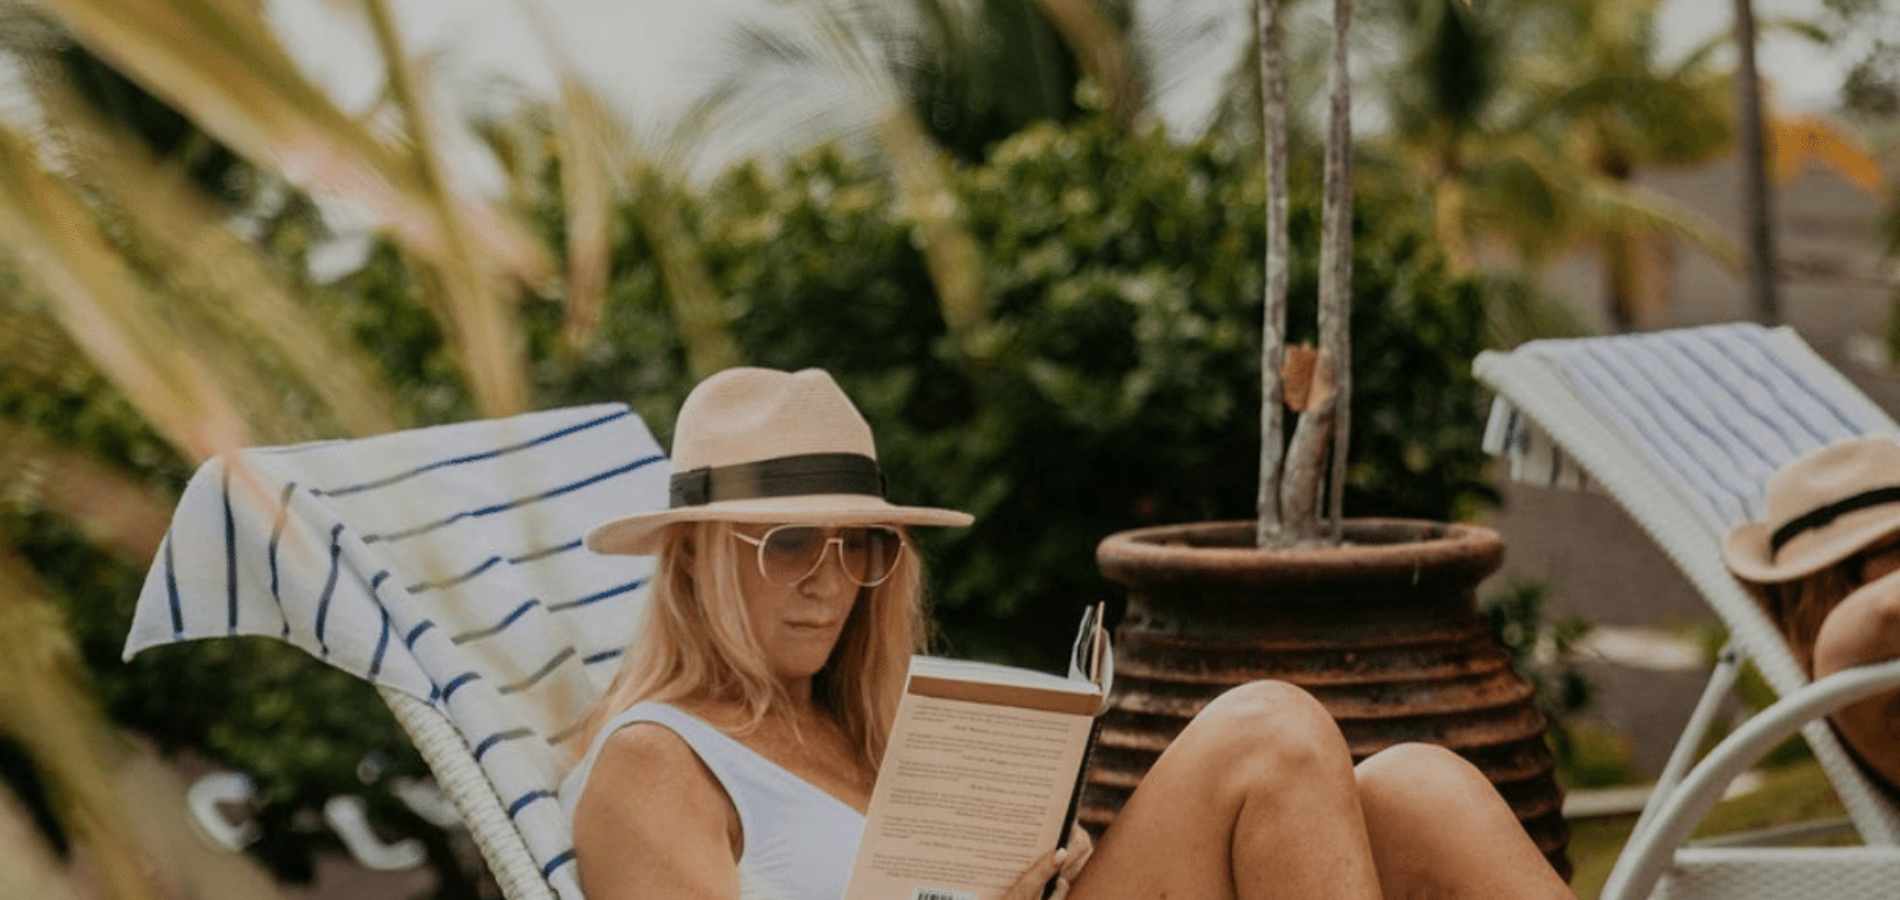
(969, 794)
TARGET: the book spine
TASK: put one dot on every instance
(1075, 797)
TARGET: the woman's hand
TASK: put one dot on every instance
(1063, 865)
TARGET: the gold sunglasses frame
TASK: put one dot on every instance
(824, 552)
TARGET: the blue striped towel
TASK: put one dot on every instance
(443, 562)
(1715, 410)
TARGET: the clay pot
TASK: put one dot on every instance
(1383, 630)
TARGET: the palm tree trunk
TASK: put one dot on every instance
(1757, 203)
(1267, 530)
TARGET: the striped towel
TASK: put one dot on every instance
(443, 562)
(1715, 410)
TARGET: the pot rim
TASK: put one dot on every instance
(1140, 555)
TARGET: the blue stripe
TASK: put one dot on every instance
(382, 640)
(448, 690)
(1752, 337)
(534, 555)
(453, 580)
(276, 532)
(512, 504)
(1765, 457)
(539, 674)
(1771, 422)
(171, 592)
(497, 628)
(472, 457)
(547, 871)
(602, 656)
(1794, 411)
(329, 587)
(597, 597)
(490, 741)
(525, 799)
(1649, 435)
(230, 557)
(1681, 415)
(410, 639)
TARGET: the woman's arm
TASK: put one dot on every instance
(654, 822)
(1865, 628)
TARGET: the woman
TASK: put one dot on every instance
(1822, 564)
(734, 754)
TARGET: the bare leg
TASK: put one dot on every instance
(1439, 829)
(1256, 798)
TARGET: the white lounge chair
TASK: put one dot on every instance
(1682, 428)
(444, 566)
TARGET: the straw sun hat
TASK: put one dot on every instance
(1822, 508)
(765, 446)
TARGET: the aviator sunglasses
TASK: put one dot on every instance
(789, 554)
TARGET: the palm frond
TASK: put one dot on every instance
(1619, 208)
(220, 63)
(110, 506)
(106, 311)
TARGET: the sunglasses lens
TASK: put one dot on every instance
(870, 552)
(788, 554)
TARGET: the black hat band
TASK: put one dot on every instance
(781, 476)
(1820, 518)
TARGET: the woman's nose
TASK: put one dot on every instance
(829, 578)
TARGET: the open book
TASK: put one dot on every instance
(982, 774)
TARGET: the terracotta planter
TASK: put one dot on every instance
(1384, 631)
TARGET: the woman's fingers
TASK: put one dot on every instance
(1080, 849)
(1029, 886)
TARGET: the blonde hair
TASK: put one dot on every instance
(696, 644)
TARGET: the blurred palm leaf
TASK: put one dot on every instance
(220, 63)
(838, 73)
(126, 807)
(228, 287)
(1529, 121)
(113, 509)
(104, 308)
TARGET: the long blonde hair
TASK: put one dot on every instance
(696, 643)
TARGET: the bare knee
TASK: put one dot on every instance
(1270, 731)
(1424, 779)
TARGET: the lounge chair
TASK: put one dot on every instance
(444, 566)
(1682, 428)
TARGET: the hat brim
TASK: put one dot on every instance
(639, 534)
(1748, 554)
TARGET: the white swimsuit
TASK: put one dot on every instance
(799, 841)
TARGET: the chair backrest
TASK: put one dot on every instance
(441, 562)
(1682, 429)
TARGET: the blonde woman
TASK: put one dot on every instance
(1823, 564)
(734, 754)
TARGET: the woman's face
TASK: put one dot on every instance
(796, 624)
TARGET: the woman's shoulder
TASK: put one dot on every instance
(649, 788)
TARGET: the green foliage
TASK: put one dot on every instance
(1115, 384)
